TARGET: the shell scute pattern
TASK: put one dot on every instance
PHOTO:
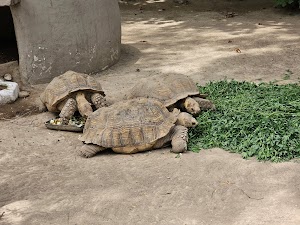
(128, 123)
(168, 88)
(64, 85)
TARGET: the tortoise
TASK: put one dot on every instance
(135, 125)
(73, 91)
(174, 90)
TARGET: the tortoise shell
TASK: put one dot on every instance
(168, 88)
(134, 122)
(64, 85)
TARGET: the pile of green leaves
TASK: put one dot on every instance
(261, 120)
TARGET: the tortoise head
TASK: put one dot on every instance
(186, 120)
(191, 106)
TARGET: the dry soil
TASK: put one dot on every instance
(42, 181)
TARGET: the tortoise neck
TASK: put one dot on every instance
(83, 105)
(80, 96)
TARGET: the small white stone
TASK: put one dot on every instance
(10, 93)
(7, 77)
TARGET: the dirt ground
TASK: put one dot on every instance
(42, 181)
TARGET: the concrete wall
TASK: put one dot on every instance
(54, 36)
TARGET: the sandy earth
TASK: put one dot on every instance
(42, 181)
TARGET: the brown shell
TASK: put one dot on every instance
(168, 88)
(127, 123)
(64, 85)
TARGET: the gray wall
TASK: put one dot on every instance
(54, 36)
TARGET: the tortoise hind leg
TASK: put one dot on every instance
(89, 150)
(98, 100)
(68, 109)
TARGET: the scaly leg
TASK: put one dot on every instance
(178, 137)
(99, 100)
(68, 109)
(89, 150)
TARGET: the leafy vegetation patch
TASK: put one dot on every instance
(261, 120)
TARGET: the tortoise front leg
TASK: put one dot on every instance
(178, 136)
(68, 109)
(84, 107)
(98, 100)
(89, 150)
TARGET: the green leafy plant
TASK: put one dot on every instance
(261, 120)
(286, 3)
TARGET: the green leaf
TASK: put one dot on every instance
(261, 120)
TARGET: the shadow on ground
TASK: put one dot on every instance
(249, 46)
